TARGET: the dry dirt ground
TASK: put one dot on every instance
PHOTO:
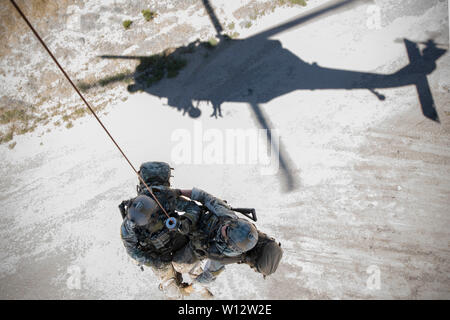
(360, 201)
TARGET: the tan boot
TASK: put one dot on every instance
(206, 294)
(186, 289)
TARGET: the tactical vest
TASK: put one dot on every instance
(165, 196)
(159, 236)
(203, 239)
(157, 176)
(158, 240)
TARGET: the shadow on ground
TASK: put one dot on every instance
(258, 69)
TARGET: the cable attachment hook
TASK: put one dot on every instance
(172, 224)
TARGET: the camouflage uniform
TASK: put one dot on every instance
(200, 253)
(154, 245)
(204, 243)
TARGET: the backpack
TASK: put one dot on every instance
(265, 256)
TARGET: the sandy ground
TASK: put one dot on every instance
(364, 192)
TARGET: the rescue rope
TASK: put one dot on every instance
(88, 105)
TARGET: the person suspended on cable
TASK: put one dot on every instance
(221, 237)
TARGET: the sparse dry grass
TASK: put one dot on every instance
(233, 35)
(212, 42)
(127, 24)
(292, 2)
(6, 137)
(149, 14)
(103, 82)
(15, 115)
(18, 120)
(298, 2)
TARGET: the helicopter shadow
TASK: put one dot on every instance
(258, 69)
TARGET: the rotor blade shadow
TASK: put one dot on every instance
(322, 10)
(290, 182)
(212, 16)
(106, 56)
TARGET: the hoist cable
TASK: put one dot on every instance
(88, 105)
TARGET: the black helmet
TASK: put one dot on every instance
(241, 235)
(141, 210)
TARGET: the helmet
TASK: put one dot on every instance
(156, 173)
(141, 210)
(240, 235)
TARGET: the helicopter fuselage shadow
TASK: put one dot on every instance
(259, 70)
(256, 70)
